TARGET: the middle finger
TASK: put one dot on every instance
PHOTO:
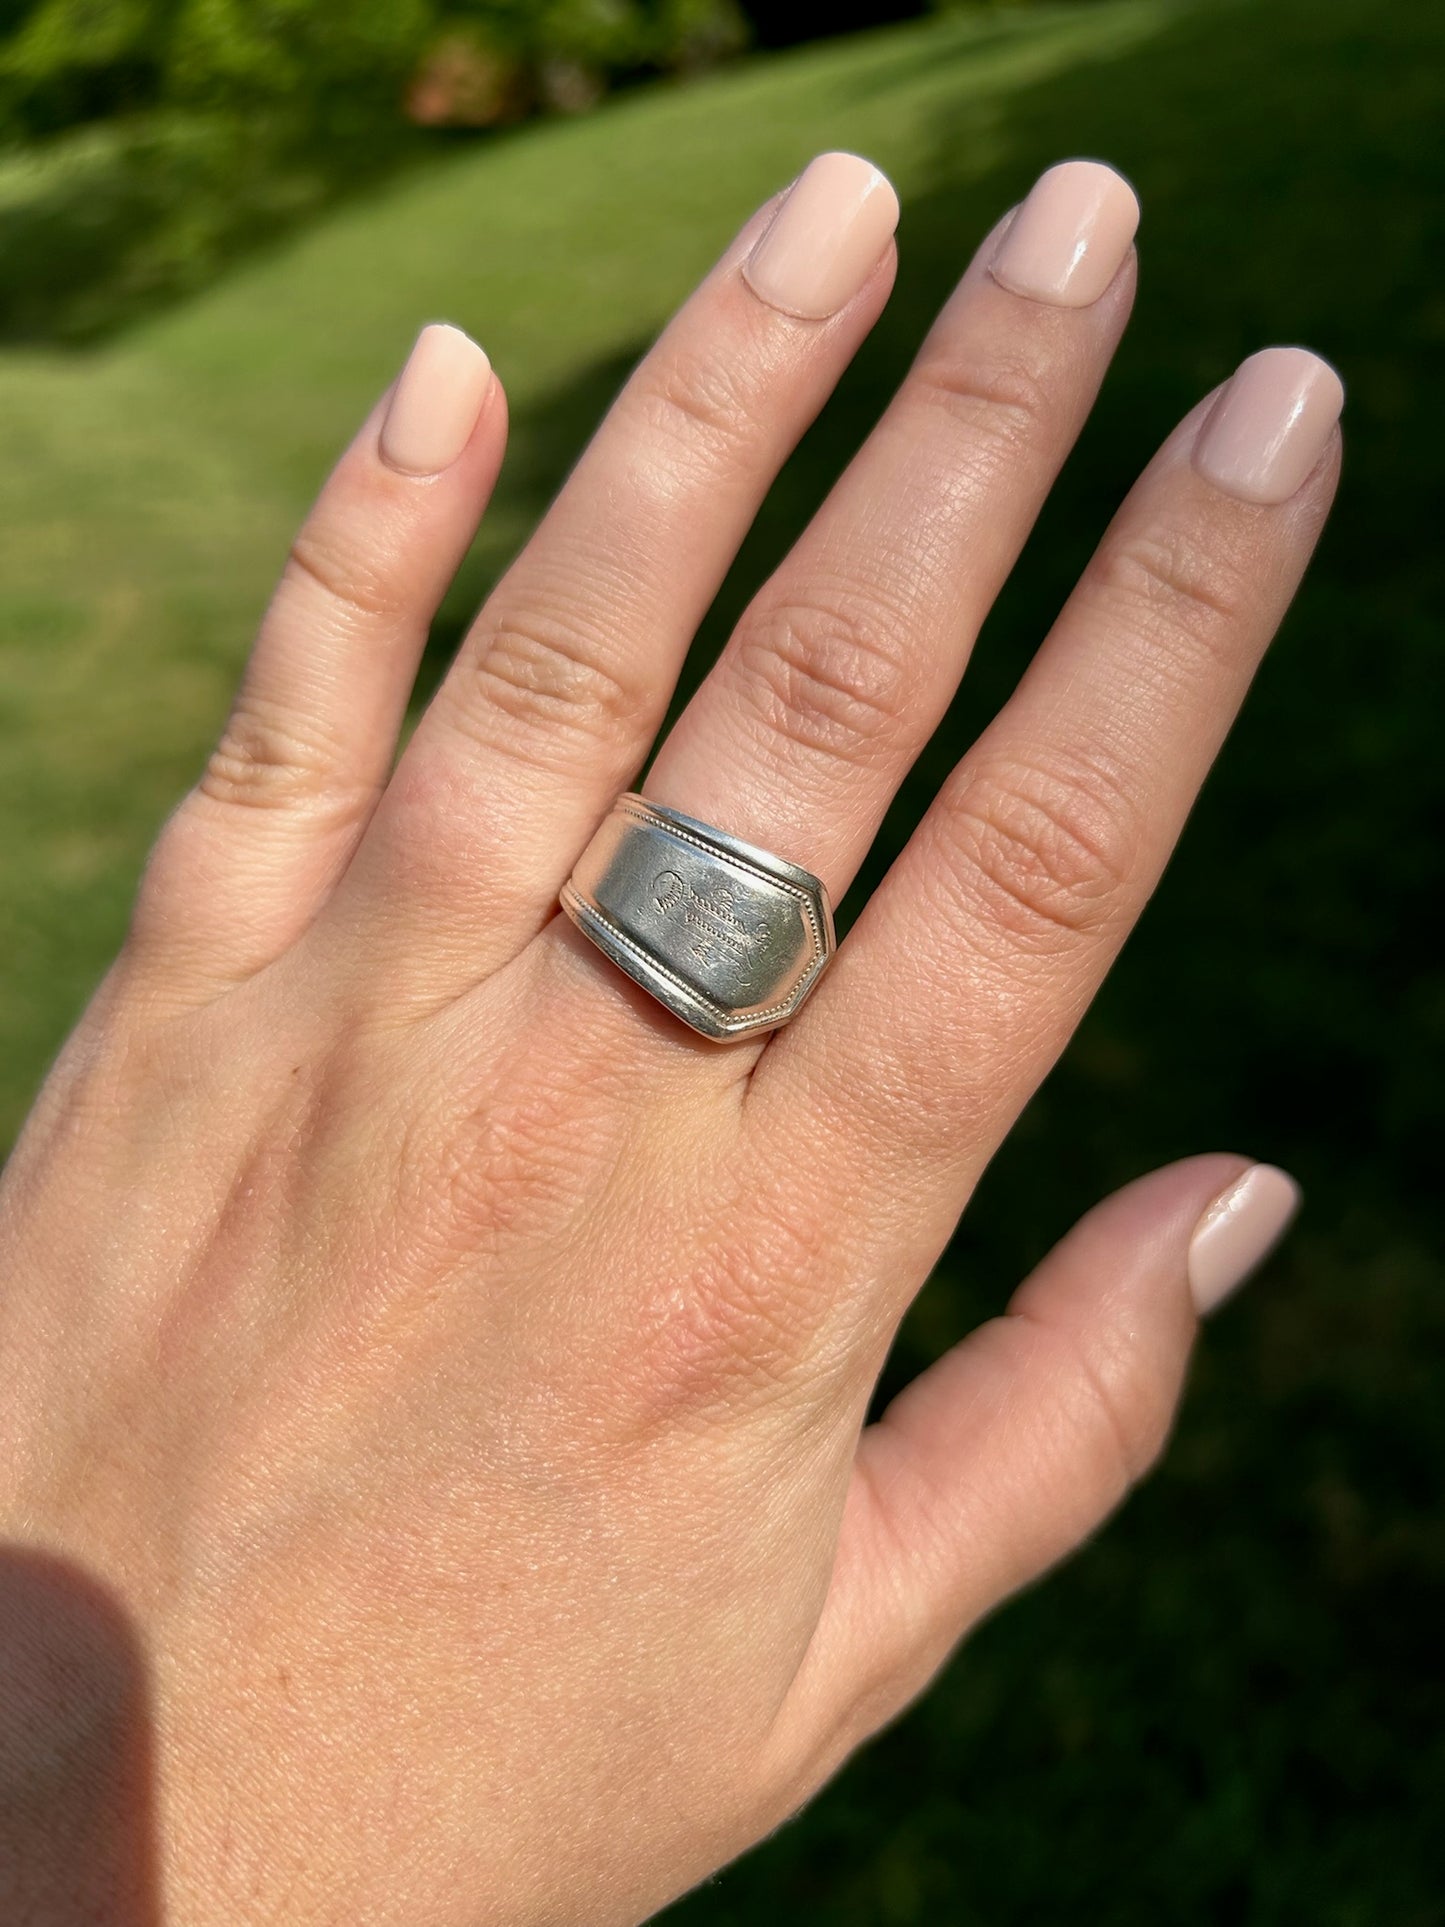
(846, 659)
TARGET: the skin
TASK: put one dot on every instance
(435, 1379)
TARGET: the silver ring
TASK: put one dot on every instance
(730, 937)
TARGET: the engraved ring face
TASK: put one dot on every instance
(730, 937)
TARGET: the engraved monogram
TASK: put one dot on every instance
(713, 923)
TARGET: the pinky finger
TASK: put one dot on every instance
(253, 851)
(1017, 1444)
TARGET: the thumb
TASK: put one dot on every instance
(1006, 1453)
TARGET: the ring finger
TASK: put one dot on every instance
(973, 961)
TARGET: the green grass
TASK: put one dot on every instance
(1231, 1708)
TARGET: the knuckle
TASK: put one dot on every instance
(345, 574)
(750, 1322)
(519, 1169)
(830, 674)
(267, 758)
(698, 408)
(726, 1345)
(1002, 400)
(1043, 848)
(551, 678)
(173, 880)
(1174, 584)
(1124, 1411)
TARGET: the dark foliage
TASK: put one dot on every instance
(784, 23)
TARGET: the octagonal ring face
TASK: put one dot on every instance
(730, 937)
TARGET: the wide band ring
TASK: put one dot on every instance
(730, 937)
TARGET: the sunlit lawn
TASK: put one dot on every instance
(1231, 1709)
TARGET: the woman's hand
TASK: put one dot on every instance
(449, 1366)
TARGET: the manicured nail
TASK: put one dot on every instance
(1238, 1231)
(1271, 425)
(825, 239)
(438, 398)
(1069, 238)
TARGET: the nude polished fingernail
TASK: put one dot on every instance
(825, 239)
(437, 400)
(1271, 425)
(1069, 237)
(1238, 1231)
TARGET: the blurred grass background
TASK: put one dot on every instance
(1231, 1708)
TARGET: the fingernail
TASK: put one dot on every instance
(1271, 425)
(1069, 238)
(1238, 1232)
(438, 398)
(825, 239)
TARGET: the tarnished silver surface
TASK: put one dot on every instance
(730, 937)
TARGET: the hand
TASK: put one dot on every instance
(448, 1367)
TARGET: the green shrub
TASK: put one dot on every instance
(154, 140)
(104, 223)
(331, 65)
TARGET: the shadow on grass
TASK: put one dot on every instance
(896, 65)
